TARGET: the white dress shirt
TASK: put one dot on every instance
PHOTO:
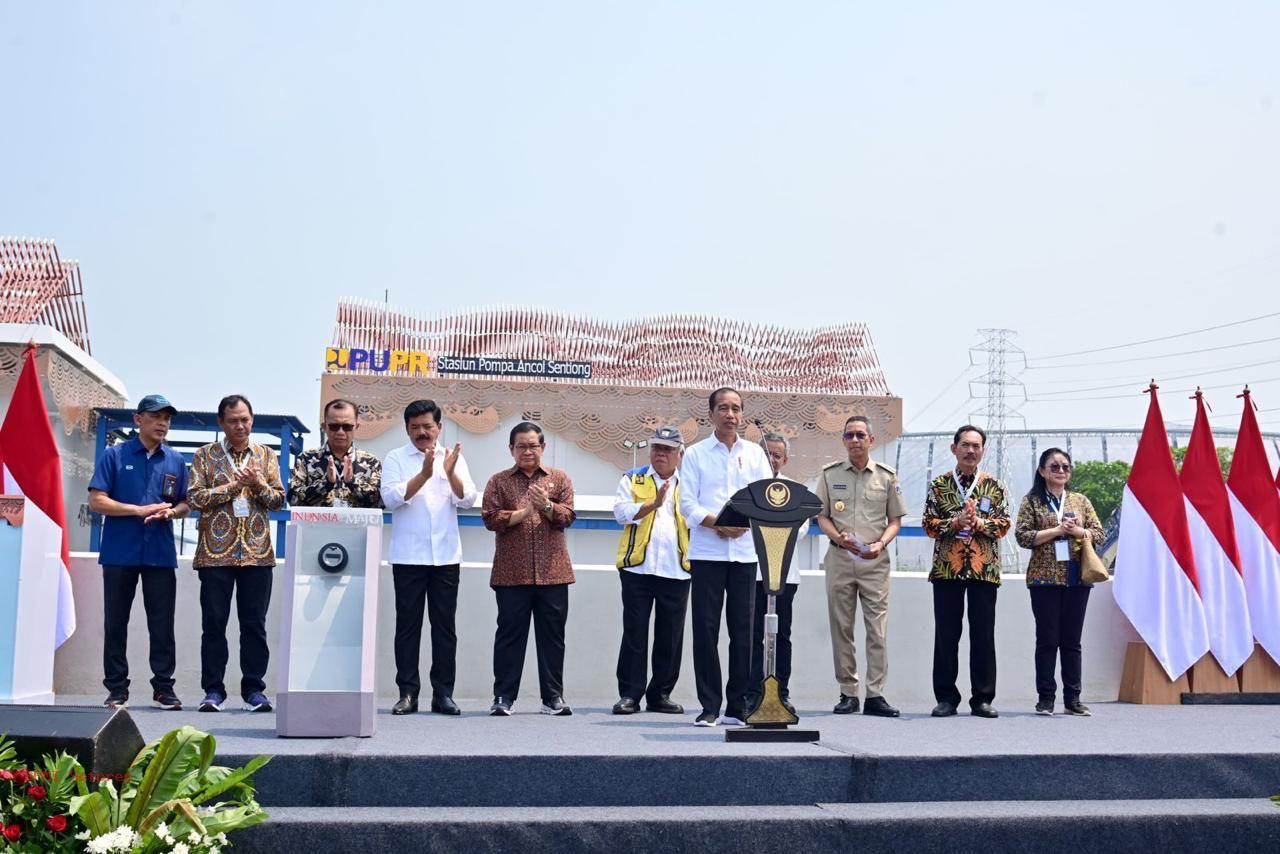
(662, 557)
(424, 530)
(793, 571)
(710, 474)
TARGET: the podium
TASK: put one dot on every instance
(328, 623)
(30, 561)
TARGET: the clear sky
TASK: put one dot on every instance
(1087, 174)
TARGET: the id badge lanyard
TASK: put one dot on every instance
(1061, 546)
(965, 494)
(239, 505)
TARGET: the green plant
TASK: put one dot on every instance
(1103, 483)
(34, 802)
(159, 804)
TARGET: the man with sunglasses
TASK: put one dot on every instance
(862, 510)
(337, 474)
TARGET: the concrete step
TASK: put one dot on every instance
(805, 776)
(1046, 827)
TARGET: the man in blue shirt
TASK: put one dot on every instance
(140, 486)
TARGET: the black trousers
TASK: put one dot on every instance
(1059, 613)
(548, 604)
(437, 588)
(783, 606)
(722, 585)
(159, 593)
(667, 599)
(252, 588)
(948, 615)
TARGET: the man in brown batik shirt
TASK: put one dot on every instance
(528, 507)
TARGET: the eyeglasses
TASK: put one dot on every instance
(526, 448)
(345, 428)
(1059, 467)
(861, 437)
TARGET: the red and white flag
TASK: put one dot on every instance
(1213, 539)
(1156, 584)
(1255, 506)
(30, 466)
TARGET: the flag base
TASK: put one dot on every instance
(1143, 680)
(1208, 677)
(1260, 674)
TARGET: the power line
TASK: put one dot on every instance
(1149, 358)
(1131, 381)
(946, 388)
(1153, 340)
(1173, 391)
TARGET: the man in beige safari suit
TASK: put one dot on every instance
(862, 510)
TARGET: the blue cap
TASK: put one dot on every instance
(668, 436)
(156, 403)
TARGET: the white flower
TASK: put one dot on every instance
(84, 834)
(221, 837)
(181, 848)
(121, 839)
(213, 849)
(193, 837)
(163, 832)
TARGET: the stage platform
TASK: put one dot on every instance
(1136, 778)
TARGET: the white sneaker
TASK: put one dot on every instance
(731, 721)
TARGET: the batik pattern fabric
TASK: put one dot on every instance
(534, 551)
(971, 558)
(224, 538)
(309, 484)
(1035, 515)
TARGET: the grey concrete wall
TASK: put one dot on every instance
(593, 635)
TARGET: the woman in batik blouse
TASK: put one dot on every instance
(1054, 523)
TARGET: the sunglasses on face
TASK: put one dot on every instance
(861, 437)
(345, 428)
(1059, 467)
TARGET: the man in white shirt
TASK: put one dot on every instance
(722, 560)
(424, 488)
(776, 447)
(654, 571)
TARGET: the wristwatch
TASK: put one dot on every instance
(547, 508)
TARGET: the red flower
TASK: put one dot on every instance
(13, 832)
(57, 823)
(6, 775)
(37, 792)
(22, 775)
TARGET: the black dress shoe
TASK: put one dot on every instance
(1075, 707)
(943, 710)
(879, 707)
(407, 705)
(501, 707)
(984, 710)
(442, 704)
(786, 704)
(664, 706)
(847, 705)
(626, 706)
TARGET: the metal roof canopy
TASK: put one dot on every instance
(287, 430)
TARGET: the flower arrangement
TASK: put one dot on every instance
(172, 799)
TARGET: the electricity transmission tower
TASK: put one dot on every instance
(1003, 390)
